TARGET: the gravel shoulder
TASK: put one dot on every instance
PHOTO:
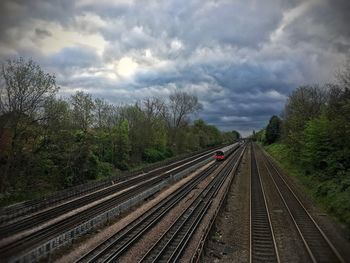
(81, 246)
(228, 241)
(140, 248)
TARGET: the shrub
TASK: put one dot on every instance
(152, 155)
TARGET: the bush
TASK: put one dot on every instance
(105, 169)
(333, 193)
(152, 155)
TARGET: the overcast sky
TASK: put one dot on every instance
(241, 58)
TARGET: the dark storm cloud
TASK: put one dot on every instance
(241, 58)
(74, 57)
(325, 25)
(41, 33)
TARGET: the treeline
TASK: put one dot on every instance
(314, 135)
(49, 143)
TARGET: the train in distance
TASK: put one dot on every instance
(223, 153)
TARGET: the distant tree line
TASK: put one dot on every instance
(49, 143)
(315, 125)
(315, 131)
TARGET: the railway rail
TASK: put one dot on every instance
(317, 244)
(262, 243)
(26, 208)
(171, 245)
(119, 242)
(27, 242)
(31, 221)
(114, 247)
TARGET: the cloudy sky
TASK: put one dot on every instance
(240, 57)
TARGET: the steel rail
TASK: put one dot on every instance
(172, 243)
(318, 245)
(41, 217)
(121, 240)
(42, 235)
(263, 246)
(24, 209)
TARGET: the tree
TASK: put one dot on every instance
(154, 107)
(24, 89)
(180, 106)
(207, 135)
(106, 115)
(303, 104)
(236, 135)
(318, 146)
(83, 107)
(273, 130)
(122, 145)
(57, 115)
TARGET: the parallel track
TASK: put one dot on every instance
(262, 243)
(170, 246)
(41, 217)
(316, 242)
(121, 241)
(26, 208)
(32, 240)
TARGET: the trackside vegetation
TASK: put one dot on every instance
(48, 143)
(313, 142)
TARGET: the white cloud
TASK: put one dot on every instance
(62, 38)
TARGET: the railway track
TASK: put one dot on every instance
(26, 208)
(122, 240)
(171, 245)
(31, 221)
(114, 247)
(317, 244)
(30, 241)
(262, 243)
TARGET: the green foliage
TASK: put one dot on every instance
(316, 145)
(305, 103)
(83, 107)
(332, 194)
(122, 145)
(319, 147)
(205, 134)
(236, 135)
(153, 155)
(259, 136)
(273, 130)
(105, 170)
(49, 143)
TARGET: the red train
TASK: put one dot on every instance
(226, 151)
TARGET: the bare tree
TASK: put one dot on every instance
(25, 87)
(181, 105)
(154, 107)
(343, 76)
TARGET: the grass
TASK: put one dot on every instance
(332, 195)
